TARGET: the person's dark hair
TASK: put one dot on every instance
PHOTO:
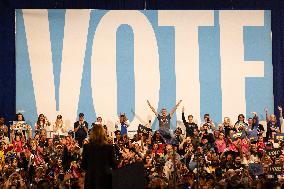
(206, 115)
(178, 129)
(81, 115)
(16, 118)
(240, 115)
(38, 119)
(156, 138)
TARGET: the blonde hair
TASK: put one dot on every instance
(98, 135)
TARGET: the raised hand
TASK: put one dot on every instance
(153, 109)
(254, 113)
(148, 102)
(182, 109)
(280, 108)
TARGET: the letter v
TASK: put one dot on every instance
(74, 45)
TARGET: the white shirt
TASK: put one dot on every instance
(60, 129)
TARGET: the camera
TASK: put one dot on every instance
(61, 176)
(270, 176)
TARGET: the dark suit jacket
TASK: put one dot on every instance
(98, 162)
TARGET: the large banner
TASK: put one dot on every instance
(103, 63)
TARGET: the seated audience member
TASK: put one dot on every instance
(3, 126)
(202, 159)
(4, 138)
(220, 143)
(158, 138)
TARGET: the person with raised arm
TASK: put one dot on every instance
(190, 125)
(145, 127)
(164, 119)
(142, 121)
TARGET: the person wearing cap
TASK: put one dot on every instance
(59, 127)
(81, 129)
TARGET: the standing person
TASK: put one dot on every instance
(228, 126)
(43, 123)
(20, 126)
(98, 160)
(164, 120)
(122, 124)
(99, 121)
(273, 125)
(207, 120)
(190, 125)
(81, 129)
(281, 119)
(59, 127)
(241, 124)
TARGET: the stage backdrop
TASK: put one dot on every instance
(103, 63)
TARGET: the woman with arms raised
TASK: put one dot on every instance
(98, 160)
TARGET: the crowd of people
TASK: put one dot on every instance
(239, 154)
